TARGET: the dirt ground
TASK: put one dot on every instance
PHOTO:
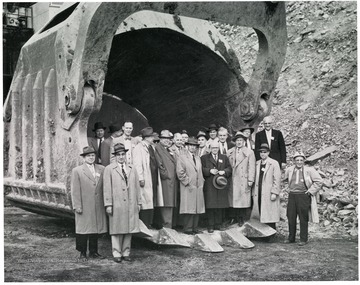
(38, 248)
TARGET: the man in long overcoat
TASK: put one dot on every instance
(216, 200)
(167, 196)
(266, 190)
(242, 161)
(143, 160)
(87, 201)
(122, 199)
(189, 172)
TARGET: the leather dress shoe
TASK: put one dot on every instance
(188, 232)
(82, 256)
(96, 255)
(127, 258)
(289, 241)
(196, 231)
(210, 230)
(117, 259)
(301, 243)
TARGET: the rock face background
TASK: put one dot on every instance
(315, 102)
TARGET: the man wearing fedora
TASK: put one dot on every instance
(127, 140)
(242, 161)
(115, 131)
(145, 163)
(189, 172)
(167, 198)
(275, 141)
(216, 171)
(202, 149)
(249, 143)
(304, 183)
(266, 190)
(87, 202)
(122, 199)
(212, 134)
(179, 146)
(95, 142)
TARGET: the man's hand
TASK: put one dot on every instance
(214, 171)
(273, 197)
(142, 183)
(109, 210)
(221, 172)
(78, 211)
(283, 165)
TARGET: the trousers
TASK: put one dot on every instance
(215, 216)
(190, 221)
(82, 242)
(121, 244)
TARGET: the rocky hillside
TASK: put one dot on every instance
(315, 102)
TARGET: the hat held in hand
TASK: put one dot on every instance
(220, 182)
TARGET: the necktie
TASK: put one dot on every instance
(99, 149)
(194, 159)
(215, 157)
(223, 147)
(297, 176)
(123, 172)
(92, 169)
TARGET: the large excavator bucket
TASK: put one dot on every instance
(158, 64)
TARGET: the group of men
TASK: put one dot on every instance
(169, 180)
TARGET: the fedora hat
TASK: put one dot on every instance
(114, 128)
(147, 132)
(201, 134)
(192, 141)
(165, 134)
(212, 127)
(264, 146)
(219, 182)
(299, 153)
(239, 135)
(247, 128)
(98, 125)
(87, 150)
(156, 137)
(119, 147)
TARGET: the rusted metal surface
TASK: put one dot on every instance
(189, 78)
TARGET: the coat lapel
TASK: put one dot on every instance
(267, 166)
(291, 171)
(242, 155)
(117, 168)
(88, 173)
(190, 157)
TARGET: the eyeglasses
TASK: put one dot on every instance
(263, 151)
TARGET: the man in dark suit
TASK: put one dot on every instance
(274, 139)
(99, 138)
(224, 140)
(215, 165)
(106, 153)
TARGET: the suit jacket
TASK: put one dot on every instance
(277, 148)
(87, 195)
(215, 198)
(105, 151)
(93, 142)
(229, 144)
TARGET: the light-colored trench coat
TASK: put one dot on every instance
(191, 184)
(270, 210)
(87, 194)
(141, 160)
(243, 171)
(313, 182)
(124, 198)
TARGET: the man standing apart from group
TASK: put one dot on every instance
(87, 201)
(275, 141)
(122, 199)
(242, 161)
(304, 183)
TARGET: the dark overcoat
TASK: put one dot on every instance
(277, 148)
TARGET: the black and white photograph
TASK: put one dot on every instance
(208, 141)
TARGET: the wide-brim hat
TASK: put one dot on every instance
(192, 141)
(156, 136)
(299, 153)
(264, 146)
(201, 134)
(114, 128)
(98, 125)
(212, 127)
(147, 132)
(165, 134)
(119, 147)
(247, 128)
(239, 135)
(87, 150)
(220, 182)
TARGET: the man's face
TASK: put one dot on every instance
(267, 123)
(192, 148)
(149, 139)
(121, 157)
(100, 133)
(239, 142)
(213, 134)
(264, 154)
(89, 158)
(178, 140)
(222, 136)
(299, 161)
(127, 128)
(215, 150)
(185, 138)
(202, 141)
(247, 133)
(165, 142)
